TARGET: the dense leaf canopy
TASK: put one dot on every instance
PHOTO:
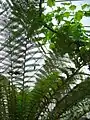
(58, 88)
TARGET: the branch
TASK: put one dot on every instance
(40, 7)
(49, 28)
(82, 73)
(40, 13)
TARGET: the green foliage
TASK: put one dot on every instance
(79, 15)
(85, 6)
(70, 36)
(61, 86)
(72, 7)
(42, 93)
(3, 80)
(50, 3)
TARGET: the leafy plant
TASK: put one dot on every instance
(60, 88)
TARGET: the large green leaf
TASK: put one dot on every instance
(79, 15)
